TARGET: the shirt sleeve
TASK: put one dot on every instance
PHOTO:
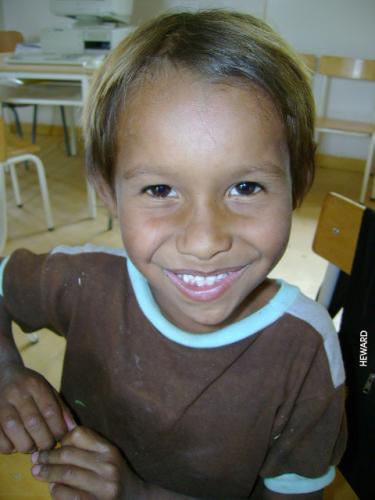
(39, 291)
(306, 448)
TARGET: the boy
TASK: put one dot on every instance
(192, 374)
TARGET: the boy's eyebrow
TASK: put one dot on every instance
(265, 167)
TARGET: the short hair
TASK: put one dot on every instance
(216, 44)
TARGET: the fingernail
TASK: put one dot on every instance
(69, 421)
(71, 425)
(36, 470)
(35, 457)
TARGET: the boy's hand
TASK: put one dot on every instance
(32, 415)
(86, 465)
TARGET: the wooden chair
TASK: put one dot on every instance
(336, 238)
(331, 67)
(9, 40)
(14, 150)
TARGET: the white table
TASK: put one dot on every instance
(67, 86)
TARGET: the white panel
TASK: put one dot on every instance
(341, 27)
(30, 17)
(255, 7)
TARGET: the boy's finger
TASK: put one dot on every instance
(70, 455)
(61, 492)
(86, 439)
(36, 425)
(68, 417)
(50, 408)
(5, 445)
(70, 475)
(14, 430)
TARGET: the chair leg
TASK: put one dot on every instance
(367, 172)
(328, 285)
(72, 131)
(15, 185)
(110, 222)
(17, 122)
(43, 187)
(44, 190)
(35, 124)
(66, 133)
(91, 199)
(3, 209)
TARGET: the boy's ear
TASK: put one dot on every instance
(107, 195)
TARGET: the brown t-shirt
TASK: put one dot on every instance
(209, 415)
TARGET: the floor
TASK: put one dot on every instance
(73, 227)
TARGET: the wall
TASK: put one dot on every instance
(1, 15)
(30, 17)
(342, 27)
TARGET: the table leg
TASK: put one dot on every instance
(72, 131)
(3, 210)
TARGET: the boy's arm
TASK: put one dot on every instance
(8, 351)
(32, 416)
(88, 465)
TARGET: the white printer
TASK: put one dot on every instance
(79, 39)
(98, 26)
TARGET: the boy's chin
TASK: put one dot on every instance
(202, 318)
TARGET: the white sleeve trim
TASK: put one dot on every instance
(3, 263)
(293, 483)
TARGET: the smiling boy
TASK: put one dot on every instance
(210, 189)
(200, 377)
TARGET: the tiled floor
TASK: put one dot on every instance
(67, 190)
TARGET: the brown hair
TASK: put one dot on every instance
(219, 45)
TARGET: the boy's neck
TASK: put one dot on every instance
(255, 301)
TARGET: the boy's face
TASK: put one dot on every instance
(203, 197)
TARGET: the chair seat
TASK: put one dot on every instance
(344, 126)
(15, 146)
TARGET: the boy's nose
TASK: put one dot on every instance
(205, 234)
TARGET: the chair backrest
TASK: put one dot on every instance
(9, 40)
(311, 62)
(3, 145)
(337, 232)
(347, 67)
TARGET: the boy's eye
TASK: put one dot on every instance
(245, 188)
(159, 191)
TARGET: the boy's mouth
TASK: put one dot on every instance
(204, 287)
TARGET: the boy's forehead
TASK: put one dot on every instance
(180, 86)
(183, 107)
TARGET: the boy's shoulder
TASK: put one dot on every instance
(94, 252)
(61, 267)
(311, 313)
(71, 257)
(310, 316)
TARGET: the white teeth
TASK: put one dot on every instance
(202, 280)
